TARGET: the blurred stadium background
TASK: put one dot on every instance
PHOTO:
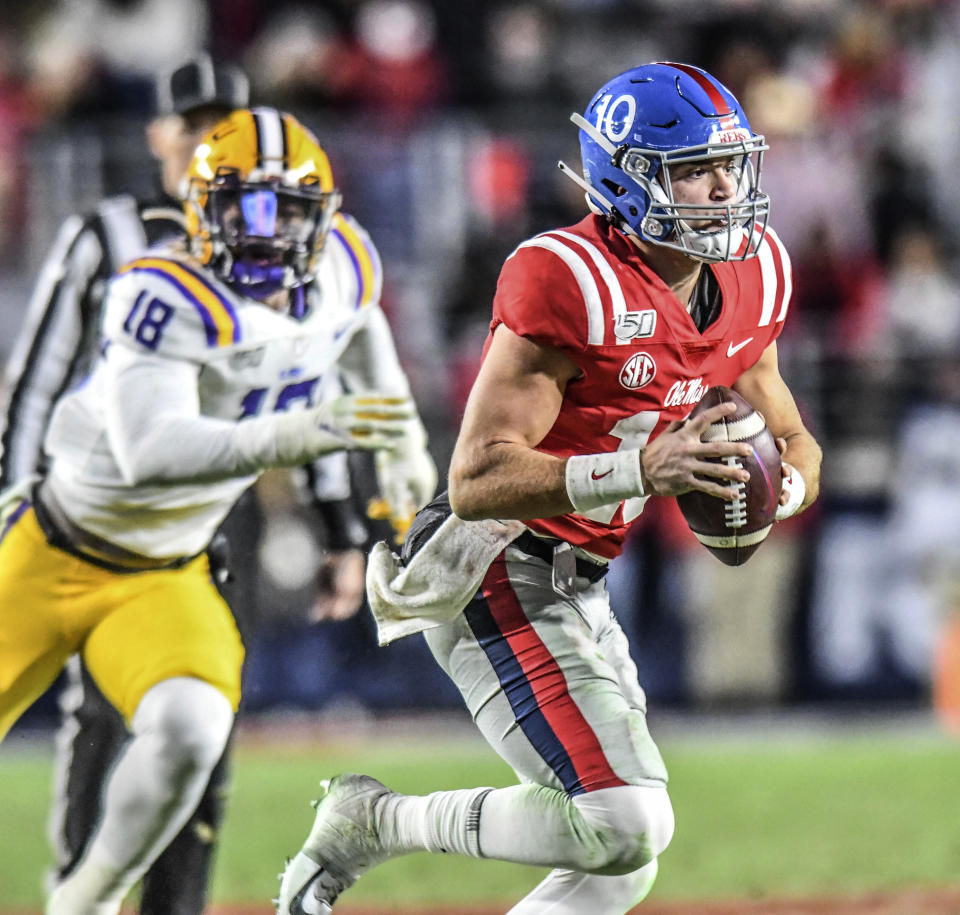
(444, 122)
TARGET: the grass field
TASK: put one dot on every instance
(788, 813)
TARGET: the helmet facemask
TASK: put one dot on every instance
(264, 234)
(730, 230)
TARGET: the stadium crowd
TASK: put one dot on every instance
(443, 123)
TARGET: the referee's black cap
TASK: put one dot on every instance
(202, 82)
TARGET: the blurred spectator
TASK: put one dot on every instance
(923, 298)
(522, 52)
(829, 207)
(393, 66)
(900, 196)
(893, 594)
(17, 117)
(293, 55)
(100, 55)
(927, 128)
(837, 297)
(865, 69)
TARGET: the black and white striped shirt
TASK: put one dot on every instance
(59, 338)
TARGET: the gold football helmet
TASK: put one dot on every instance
(259, 199)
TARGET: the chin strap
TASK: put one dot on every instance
(262, 282)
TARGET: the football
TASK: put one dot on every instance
(732, 531)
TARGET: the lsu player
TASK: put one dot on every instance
(56, 347)
(212, 358)
(604, 335)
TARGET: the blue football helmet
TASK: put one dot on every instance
(650, 118)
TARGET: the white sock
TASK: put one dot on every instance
(180, 729)
(442, 822)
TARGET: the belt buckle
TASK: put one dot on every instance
(564, 570)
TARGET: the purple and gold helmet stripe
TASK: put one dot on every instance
(216, 311)
(364, 264)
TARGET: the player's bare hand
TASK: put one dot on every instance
(340, 586)
(679, 460)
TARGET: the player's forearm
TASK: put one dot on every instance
(507, 480)
(177, 448)
(189, 449)
(805, 455)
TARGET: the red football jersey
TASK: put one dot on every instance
(586, 290)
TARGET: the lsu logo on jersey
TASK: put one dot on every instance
(639, 370)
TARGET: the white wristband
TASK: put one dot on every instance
(602, 479)
(796, 490)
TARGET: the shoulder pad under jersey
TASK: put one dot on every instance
(544, 292)
(352, 256)
(765, 282)
(777, 272)
(171, 307)
(162, 223)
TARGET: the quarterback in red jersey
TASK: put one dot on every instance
(604, 336)
(636, 361)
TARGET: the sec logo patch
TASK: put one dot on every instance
(638, 371)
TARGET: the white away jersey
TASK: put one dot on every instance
(239, 359)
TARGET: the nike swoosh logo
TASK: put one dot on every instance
(733, 349)
(223, 132)
(297, 906)
(599, 476)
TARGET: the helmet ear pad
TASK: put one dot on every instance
(654, 228)
(198, 234)
(635, 195)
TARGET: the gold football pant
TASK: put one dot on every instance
(134, 630)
